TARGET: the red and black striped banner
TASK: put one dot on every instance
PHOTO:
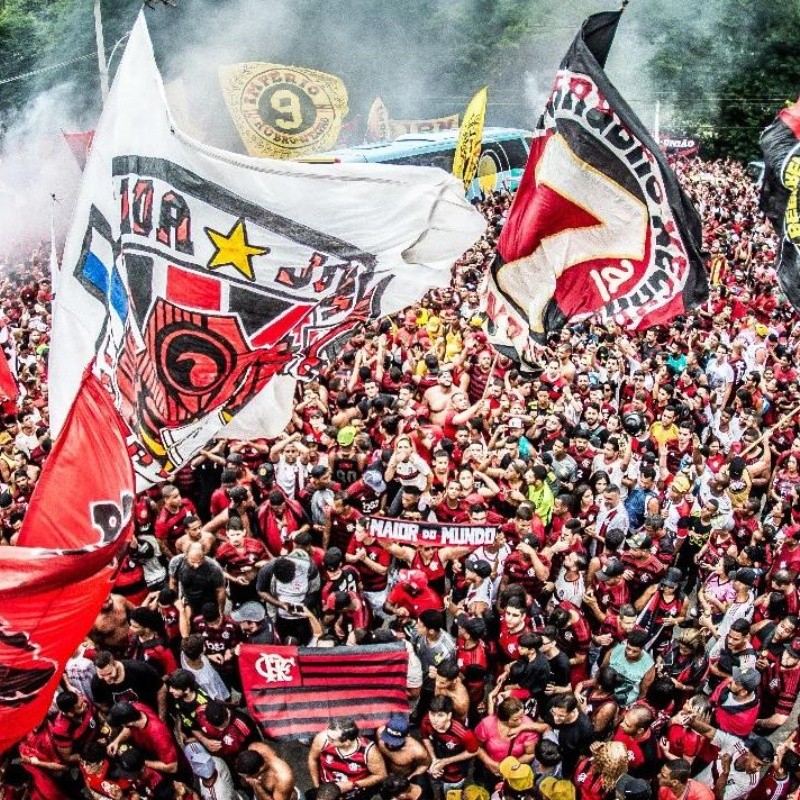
(295, 691)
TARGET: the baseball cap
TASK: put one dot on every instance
(479, 566)
(474, 626)
(475, 792)
(374, 480)
(318, 471)
(681, 484)
(414, 577)
(518, 776)
(640, 541)
(762, 329)
(748, 678)
(249, 612)
(265, 472)
(200, 760)
(746, 576)
(613, 568)
(557, 788)
(633, 788)
(793, 648)
(515, 422)
(396, 730)
(346, 436)
(234, 458)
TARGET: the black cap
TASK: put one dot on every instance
(481, 567)
(633, 788)
(613, 568)
(746, 576)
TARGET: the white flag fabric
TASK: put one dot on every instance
(204, 282)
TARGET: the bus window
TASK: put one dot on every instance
(442, 159)
(516, 153)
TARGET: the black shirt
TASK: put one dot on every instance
(141, 684)
(200, 585)
(574, 739)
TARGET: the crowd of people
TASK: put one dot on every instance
(631, 632)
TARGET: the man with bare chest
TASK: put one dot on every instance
(437, 398)
(110, 630)
(403, 754)
(269, 777)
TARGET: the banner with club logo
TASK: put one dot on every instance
(284, 112)
(203, 283)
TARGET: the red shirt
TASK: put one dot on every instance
(509, 643)
(684, 742)
(155, 740)
(238, 563)
(170, 527)
(415, 604)
(371, 580)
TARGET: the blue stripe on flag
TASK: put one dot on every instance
(95, 272)
(119, 296)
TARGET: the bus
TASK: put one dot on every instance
(502, 162)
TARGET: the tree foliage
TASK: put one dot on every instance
(720, 68)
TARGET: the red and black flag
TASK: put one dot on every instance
(600, 227)
(295, 691)
(780, 143)
(53, 583)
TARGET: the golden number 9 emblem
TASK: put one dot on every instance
(284, 112)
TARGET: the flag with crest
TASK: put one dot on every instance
(599, 228)
(204, 282)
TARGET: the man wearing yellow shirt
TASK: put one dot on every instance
(664, 429)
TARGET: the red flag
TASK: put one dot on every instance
(80, 144)
(294, 691)
(53, 583)
(8, 383)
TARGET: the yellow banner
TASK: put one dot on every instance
(378, 125)
(284, 112)
(470, 139)
(400, 127)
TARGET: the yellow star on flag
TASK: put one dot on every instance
(234, 250)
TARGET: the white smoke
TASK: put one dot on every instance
(35, 164)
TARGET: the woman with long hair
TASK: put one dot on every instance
(596, 776)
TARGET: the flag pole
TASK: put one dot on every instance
(53, 253)
(102, 65)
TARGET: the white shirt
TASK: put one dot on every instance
(740, 783)
(223, 788)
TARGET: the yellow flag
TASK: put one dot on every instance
(284, 112)
(470, 138)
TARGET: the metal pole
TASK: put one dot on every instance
(657, 123)
(101, 50)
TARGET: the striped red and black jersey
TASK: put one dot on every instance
(456, 740)
(217, 640)
(335, 767)
(238, 562)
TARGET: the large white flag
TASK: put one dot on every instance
(205, 282)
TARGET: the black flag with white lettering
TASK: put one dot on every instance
(600, 228)
(780, 191)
